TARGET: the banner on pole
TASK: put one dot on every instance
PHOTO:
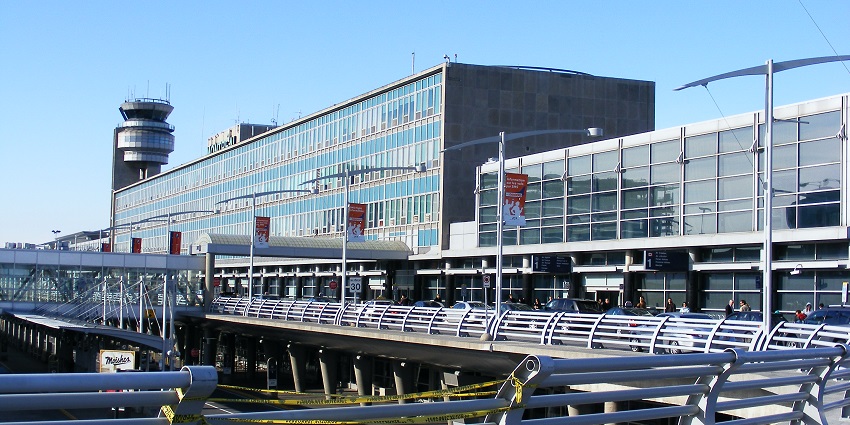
(513, 206)
(175, 243)
(262, 227)
(356, 222)
(137, 246)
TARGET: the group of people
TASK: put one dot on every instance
(801, 315)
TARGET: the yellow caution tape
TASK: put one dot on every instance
(407, 420)
(517, 384)
(168, 411)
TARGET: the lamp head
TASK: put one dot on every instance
(594, 131)
(420, 168)
(797, 270)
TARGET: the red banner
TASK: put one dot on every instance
(356, 222)
(105, 247)
(175, 243)
(262, 227)
(513, 206)
(137, 246)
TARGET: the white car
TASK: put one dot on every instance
(471, 305)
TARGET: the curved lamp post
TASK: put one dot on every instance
(347, 174)
(503, 138)
(253, 197)
(768, 69)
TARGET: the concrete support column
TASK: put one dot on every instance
(575, 278)
(611, 407)
(449, 280)
(363, 375)
(251, 357)
(209, 280)
(694, 285)
(574, 410)
(629, 292)
(298, 359)
(187, 334)
(403, 376)
(65, 353)
(229, 361)
(328, 361)
(208, 350)
(271, 352)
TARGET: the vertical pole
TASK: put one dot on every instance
(767, 278)
(500, 226)
(162, 329)
(251, 225)
(343, 280)
(141, 304)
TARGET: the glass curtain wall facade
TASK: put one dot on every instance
(397, 128)
(697, 188)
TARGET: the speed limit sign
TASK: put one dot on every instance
(354, 284)
(487, 281)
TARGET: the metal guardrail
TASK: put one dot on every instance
(657, 335)
(752, 387)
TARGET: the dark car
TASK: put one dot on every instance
(320, 299)
(515, 307)
(574, 305)
(757, 316)
(433, 304)
(836, 316)
(629, 311)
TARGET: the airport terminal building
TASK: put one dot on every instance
(594, 208)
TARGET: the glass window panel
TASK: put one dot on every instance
(578, 219)
(742, 204)
(784, 157)
(738, 139)
(748, 282)
(605, 161)
(510, 236)
(735, 187)
(553, 170)
(653, 281)
(676, 281)
(535, 172)
(529, 236)
(666, 173)
(635, 198)
(801, 282)
(557, 221)
(696, 169)
(665, 151)
(820, 178)
(552, 235)
(820, 125)
(579, 165)
(604, 181)
(635, 177)
(488, 215)
(700, 208)
(785, 181)
(633, 229)
(832, 281)
(663, 227)
(820, 151)
(603, 231)
(578, 233)
(832, 251)
(747, 253)
(734, 222)
(703, 224)
(486, 239)
(665, 195)
(489, 197)
(532, 191)
(636, 156)
(608, 216)
(628, 215)
(553, 189)
(604, 201)
(553, 207)
(735, 163)
(719, 255)
(532, 209)
(578, 204)
(818, 216)
(663, 212)
(784, 132)
(705, 144)
(700, 191)
(489, 181)
(720, 281)
(795, 252)
(578, 185)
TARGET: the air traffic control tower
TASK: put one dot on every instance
(142, 142)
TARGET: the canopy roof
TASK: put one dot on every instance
(300, 247)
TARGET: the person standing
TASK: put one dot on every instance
(730, 308)
(745, 306)
(685, 308)
(641, 302)
(808, 309)
(669, 307)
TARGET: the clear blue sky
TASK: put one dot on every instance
(68, 65)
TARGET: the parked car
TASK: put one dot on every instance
(471, 305)
(832, 315)
(574, 305)
(515, 307)
(685, 336)
(629, 311)
(434, 304)
(321, 299)
(757, 316)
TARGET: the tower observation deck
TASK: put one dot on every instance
(143, 141)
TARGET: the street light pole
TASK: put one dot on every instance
(768, 69)
(503, 138)
(347, 174)
(56, 238)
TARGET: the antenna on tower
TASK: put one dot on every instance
(412, 63)
(275, 112)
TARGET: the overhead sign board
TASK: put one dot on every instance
(550, 264)
(666, 260)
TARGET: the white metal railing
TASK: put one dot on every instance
(639, 333)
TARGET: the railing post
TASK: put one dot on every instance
(519, 387)
(202, 383)
(811, 407)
